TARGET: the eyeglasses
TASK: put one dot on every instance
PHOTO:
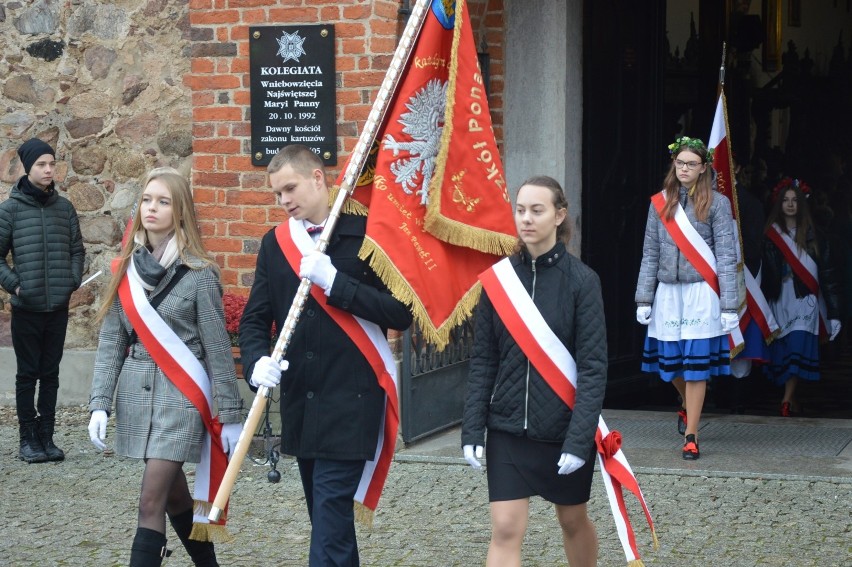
(690, 165)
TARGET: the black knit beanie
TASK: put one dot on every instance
(31, 150)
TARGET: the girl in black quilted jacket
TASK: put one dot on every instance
(540, 430)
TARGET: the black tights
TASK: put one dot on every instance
(164, 490)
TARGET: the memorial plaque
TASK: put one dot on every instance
(292, 90)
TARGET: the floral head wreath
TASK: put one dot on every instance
(790, 183)
(692, 144)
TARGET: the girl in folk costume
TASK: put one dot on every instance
(536, 444)
(687, 291)
(162, 349)
(799, 283)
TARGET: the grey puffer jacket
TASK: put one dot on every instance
(662, 261)
(47, 250)
(507, 393)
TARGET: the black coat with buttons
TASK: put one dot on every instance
(331, 402)
(506, 393)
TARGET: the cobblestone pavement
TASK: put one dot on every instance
(82, 512)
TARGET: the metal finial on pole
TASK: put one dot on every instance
(722, 68)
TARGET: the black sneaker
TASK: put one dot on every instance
(681, 421)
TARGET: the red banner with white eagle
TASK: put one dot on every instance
(438, 207)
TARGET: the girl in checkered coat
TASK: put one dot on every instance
(155, 421)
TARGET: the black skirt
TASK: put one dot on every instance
(519, 467)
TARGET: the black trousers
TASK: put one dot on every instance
(329, 487)
(39, 340)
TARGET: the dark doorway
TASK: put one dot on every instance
(649, 77)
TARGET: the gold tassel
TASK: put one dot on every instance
(363, 515)
(635, 563)
(215, 533)
(656, 541)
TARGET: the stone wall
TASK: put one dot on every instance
(102, 82)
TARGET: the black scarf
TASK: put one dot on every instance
(40, 195)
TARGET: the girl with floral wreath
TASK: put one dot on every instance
(799, 284)
(687, 290)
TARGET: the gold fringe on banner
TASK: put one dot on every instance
(363, 515)
(439, 336)
(350, 206)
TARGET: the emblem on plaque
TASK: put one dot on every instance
(290, 46)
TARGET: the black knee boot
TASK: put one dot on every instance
(148, 549)
(31, 449)
(45, 434)
(201, 552)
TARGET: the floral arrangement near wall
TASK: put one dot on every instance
(234, 305)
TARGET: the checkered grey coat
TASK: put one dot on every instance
(153, 418)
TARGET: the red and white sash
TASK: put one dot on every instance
(371, 341)
(696, 251)
(180, 366)
(804, 267)
(554, 362)
(757, 308)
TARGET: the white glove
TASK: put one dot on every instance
(472, 454)
(230, 436)
(267, 372)
(643, 314)
(317, 267)
(97, 428)
(568, 463)
(835, 328)
(729, 322)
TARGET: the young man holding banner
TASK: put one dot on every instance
(338, 395)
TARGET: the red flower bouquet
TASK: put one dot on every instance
(234, 306)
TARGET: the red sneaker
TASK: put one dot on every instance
(681, 421)
(786, 409)
(690, 448)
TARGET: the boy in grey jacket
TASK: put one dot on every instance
(42, 231)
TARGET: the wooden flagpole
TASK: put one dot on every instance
(353, 170)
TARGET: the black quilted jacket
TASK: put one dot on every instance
(47, 251)
(506, 393)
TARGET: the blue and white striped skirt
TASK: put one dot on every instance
(692, 359)
(794, 354)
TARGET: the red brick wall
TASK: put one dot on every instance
(235, 206)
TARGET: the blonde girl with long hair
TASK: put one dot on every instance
(155, 420)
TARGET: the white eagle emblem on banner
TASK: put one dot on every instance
(424, 123)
